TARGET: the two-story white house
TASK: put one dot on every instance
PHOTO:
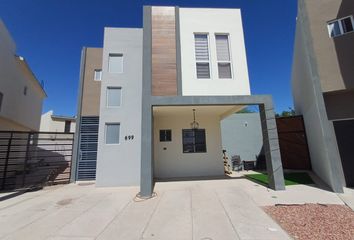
(21, 95)
(163, 91)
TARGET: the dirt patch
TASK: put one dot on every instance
(314, 221)
(64, 202)
(85, 183)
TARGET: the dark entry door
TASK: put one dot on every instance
(345, 139)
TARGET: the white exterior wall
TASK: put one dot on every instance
(212, 21)
(48, 124)
(22, 111)
(242, 135)
(119, 164)
(172, 162)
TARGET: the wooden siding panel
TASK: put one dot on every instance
(91, 88)
(164, 69)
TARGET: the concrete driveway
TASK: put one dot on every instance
(199, 210)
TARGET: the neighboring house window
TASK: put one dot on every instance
(98, 75)
(194, 140)
(114, 96)
(202, 55)
(1, 98)
(165, 135)
(115, 63)
(67, 126)
(340, 26)
(25, 90)
(112, 133)
(223, 55)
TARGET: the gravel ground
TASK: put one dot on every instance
(314, 221)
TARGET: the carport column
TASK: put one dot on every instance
(271, 146)
(146, 168)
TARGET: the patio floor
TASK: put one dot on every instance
(209, 209)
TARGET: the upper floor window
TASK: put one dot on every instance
(202, 55)
(114, 96)
(115, 63)
(223, 55)
(98, 75)
(25, 90)
(340, 26)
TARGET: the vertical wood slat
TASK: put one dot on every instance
(164, 69)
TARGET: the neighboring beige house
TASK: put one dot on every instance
(323, 86)
(55, 123)
(21, 95)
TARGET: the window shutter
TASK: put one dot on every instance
(222, 47)
(203, 70)
(201, 47)
(224, 70)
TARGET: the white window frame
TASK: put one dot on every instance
(202, 61)
(115, 55)
(340, 26)
(230, 56)
(105, 133)
(94, 76)
(113, 87)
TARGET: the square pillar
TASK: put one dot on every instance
(271, 146)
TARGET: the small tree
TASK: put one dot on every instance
(289, 113)
(246, 110)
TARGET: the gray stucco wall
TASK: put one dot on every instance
(241, 134)
(309, 102)
(337, 104)
(119, 164)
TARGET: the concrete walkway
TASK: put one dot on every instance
(199, 210)
(348, 197)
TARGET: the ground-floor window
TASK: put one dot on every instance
(194, 140)
(165, 135)
(112, 133)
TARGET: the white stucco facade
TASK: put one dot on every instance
(22, 95)
(169, 159)
(211, 22)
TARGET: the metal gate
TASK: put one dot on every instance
(88, 140)
(34, 159)
(293, 143)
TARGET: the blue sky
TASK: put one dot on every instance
(51, 33)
